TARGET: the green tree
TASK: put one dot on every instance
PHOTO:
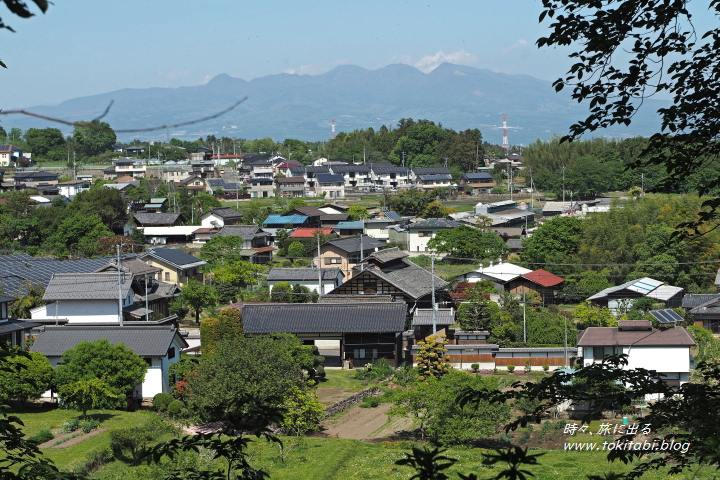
(93, 138)
(303, 412)
(118, 366)
(28, 376)
(296, 250)
(87, 394)
(80, 234)
(555, 241)
(477, 313)
(281, 292)
(469, 242)
(33, 297)
(358, 212)
(589, 315)
(436, 209)
(262, 370)
(410, 202)
(198, 297)
(41, 140)
(107, 203)
(297, 202)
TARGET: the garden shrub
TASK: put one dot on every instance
(176, 408)
(511, 368)
(546, 368)
(90, 425)
(475, 367)
(161, 401)
(70, 426)
(42, 436)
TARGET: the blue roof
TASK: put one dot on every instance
(283, 219)
(349, 225)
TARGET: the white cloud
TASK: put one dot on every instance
(315, 68)
(428, 63)
(519, 44)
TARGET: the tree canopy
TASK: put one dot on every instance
(468, 242)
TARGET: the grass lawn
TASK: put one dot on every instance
(342, 379)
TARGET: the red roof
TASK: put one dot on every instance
(309, 232)
(124, 178)
(543, 277)
(205, 230)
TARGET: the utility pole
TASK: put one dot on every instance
(147, 311)
(524, 319)
(434, 307)
(320, 279)
(563, 178)
(120, 281)
(566, 355)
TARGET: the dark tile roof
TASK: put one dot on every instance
(11, 326)
(224, 212)
(5, 298)
(291, 180)
(329, 178)
(260, 181)
(301, 274)
(444, 316)
(352, 244)
(324, 317)
(431, 171)
(307, 210)
(132, 265)
(386, 256)
(156, 218)
(361, 168)
(246, 232)
(318, 169)
(412, 279)
(86, 286)
(35, 176)
(388, 169)
(146, 341)
(697, 299)
(439, 176)
(433, 223)
(351, 298)
(174, 257)
(612, 336)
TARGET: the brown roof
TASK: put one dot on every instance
(543, 277)
(290, 180)
(124, 179)
(610, 336)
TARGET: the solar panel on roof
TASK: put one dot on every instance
(666, 316)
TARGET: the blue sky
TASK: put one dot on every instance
(84, 47)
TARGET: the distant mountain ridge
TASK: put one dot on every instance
(301, 106)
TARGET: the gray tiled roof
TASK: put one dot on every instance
(301, 274)
(324, 318)
(11, 325)
(614, 336)
(439, 176)
(433, 223)
(352, 244)
(697, 299)
(412, 279)
(146, 341)
(431, 171)
(224, 212)
(352, 298)
(156, 218)
(362, 168)
(387, 255)
(246, 232)
(130, 264)
(388, 169)
(318, 169)
(5, 298)
(85, 286)
(444, 316)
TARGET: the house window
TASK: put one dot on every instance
(359, 353)
(333, 260)
(148, 360)
(167, 276)
(171, 353)
(3, 310)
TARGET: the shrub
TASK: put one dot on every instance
(511, 368)
(176, 408)
(405, 375)
(546, 368)
(89, 425)
(475, 367)
(528, 366)
(42, 436)
(370, 402)
(70, 426)
(161, 401)
(96, 459)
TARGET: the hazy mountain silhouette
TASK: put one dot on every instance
(302, 106)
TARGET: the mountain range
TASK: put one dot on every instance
(302, 106)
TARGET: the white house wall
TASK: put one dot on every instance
(81, 311)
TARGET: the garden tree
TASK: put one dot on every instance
(198, 297)
(262, 368)
(589, 315)
(108, 246)
(263, 146)
(94, 138)
(281, 236)
(41, 140)
(662, 53)
(296, 250)
(708, 347)
(419, 145)
(303, 412)
(281, 292)
(547, 327)
(27, 376)
(436, 209)
(468, 242)
(21, 459)
(115, 364)
(553, 242)
(228, 324)
(204, 202)
(358, 212)
(32, 298)
(410, 202)
(108, 203)
(432, 402)
(477, 313)
(585, 284)
(302, 294)
(297, 202)
(463, 149)
(79, 234)
(179, 371)
(87, 394)
(432, 360)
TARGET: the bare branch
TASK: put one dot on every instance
(132, 130)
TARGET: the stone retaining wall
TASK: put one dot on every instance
(348, 402)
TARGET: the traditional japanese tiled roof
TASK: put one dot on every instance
(443, 317)
(158, 218)
(641, 337)
(431, 171)
(86, 286)
(324, 318)
(145, 341)
(301, 274)
(174, 257)
(352, 244)
(432, 223)
(309, 232)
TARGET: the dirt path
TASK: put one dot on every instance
(357, 423)
(72, 441)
